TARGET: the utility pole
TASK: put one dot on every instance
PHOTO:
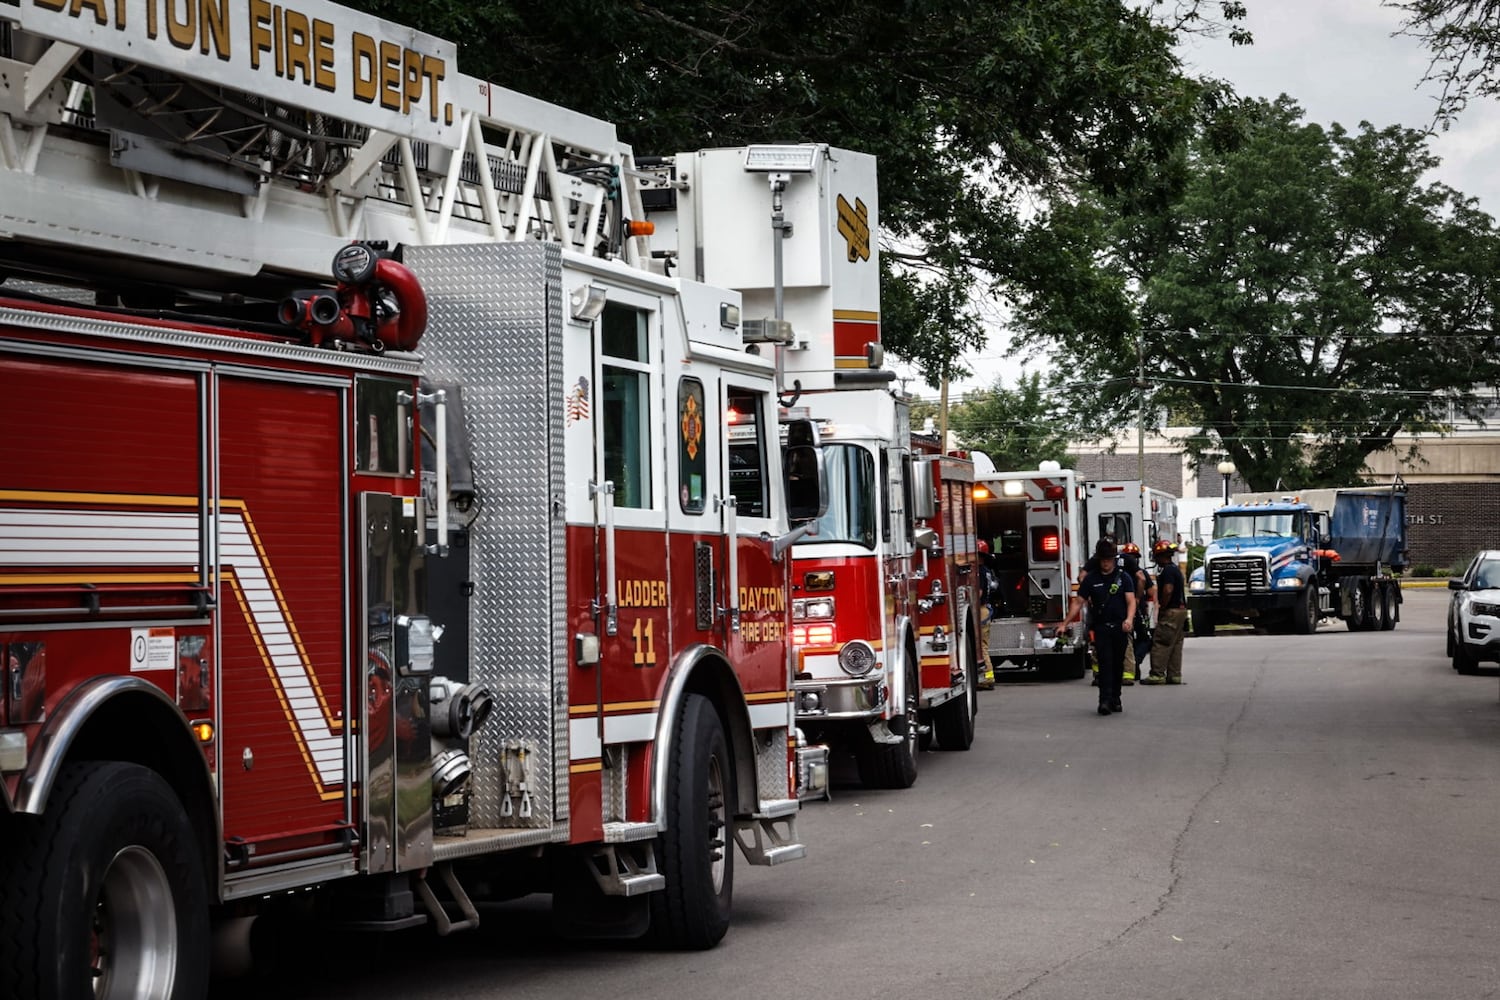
(943, 416)
(1140, 413)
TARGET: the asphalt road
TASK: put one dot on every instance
(1308, 817)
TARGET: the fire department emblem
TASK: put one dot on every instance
(692, 427)
(577, 406)
(854, 227)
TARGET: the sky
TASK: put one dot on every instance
(1342, 61)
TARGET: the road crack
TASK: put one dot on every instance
(1174, 865)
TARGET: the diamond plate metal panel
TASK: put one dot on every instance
(770, 764)
(703, 585)
(496, 327)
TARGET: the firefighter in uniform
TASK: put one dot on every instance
(1109, 593)
(1171, 617)
(989, 593)
(1135, 650)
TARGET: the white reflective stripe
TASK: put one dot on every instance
(583, 738)
(776, 715)
(237, 550)
(630, 728)
(136, 538)
(45, 538)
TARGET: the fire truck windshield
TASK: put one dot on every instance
(850, 472)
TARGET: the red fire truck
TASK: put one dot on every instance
(881, 613)
(462, 577)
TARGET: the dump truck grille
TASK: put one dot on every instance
(1238, 575)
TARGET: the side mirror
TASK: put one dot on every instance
(806, 488)
(924, 496)
(1455, 585)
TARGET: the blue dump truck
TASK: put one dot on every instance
(1288, 563)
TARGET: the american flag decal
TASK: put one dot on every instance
(577, 406)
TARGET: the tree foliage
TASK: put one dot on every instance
(1463, 37)
(1017, 428)
(1303, 295)
(974, 109)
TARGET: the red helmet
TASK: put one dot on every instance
(984, 547)
(1163, 548)
(1130, 549)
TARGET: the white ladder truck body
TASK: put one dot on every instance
(467, 575)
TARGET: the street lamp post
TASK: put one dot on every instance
(1226, 469)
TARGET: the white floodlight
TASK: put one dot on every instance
(781, 159)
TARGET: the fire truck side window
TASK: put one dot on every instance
(692, 456)
(382, 427)
(850, 472)
(747, 454)
(626, 396)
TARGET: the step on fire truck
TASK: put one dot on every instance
(882, 616)
(1041, 526)
(464, 577)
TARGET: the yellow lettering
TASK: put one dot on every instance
(213, 15)
(434, 70)
(151, 26)
(364, 67)
(97, 6)
(298, 47)
(322, 55)
(184, 33)
(260, 35)
(390, 76)
(50, 4)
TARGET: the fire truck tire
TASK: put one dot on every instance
(696, 852)
(953, 720)
(1203, 623)
(894, 765)
(104, 895)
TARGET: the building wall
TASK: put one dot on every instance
(1448, 522)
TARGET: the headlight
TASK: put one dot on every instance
(1197, 586)
(1287, 583)
(857, 658)
(1489, 610)
(814, 609)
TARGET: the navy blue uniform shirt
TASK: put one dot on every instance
(1105, 594)
(1171, 574)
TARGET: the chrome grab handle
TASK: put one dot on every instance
(606, 490)
(732, 540)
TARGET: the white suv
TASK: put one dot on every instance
(1474, 613)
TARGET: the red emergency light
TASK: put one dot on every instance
(1055, 493)
(1049, 543)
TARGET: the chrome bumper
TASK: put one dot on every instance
(843, 698)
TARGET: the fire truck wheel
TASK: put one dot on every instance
(1203, 623)
(104, 894)
(894, 765)
(954, 719)
(696, 853)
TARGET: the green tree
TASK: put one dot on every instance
(1463, 37)
(974, 109)
(1304, 294)
(1017, 428)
